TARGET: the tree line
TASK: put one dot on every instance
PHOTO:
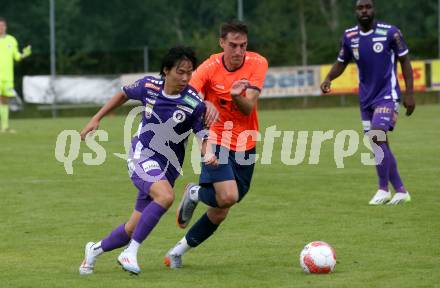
(108, 37)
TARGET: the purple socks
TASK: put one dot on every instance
(387, 170)
(150, 217)
(116, 239)
(119, 238)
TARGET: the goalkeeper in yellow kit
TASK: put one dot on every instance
(8, 53)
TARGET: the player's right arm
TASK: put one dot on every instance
(208, 156)
(117, 100)
(338, 68)
(199, 79)
(134, 91)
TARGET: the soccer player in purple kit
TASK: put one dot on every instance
(375, 47)
(172, 109)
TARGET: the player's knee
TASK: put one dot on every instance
(227, 198)
(165, 198)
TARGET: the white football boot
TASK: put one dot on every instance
(88, 264)
(400, 198)
(128, 262)
(381, 197)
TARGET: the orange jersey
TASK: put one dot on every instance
(234, 130)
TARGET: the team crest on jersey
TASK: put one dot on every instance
(179, 116)
(148, 111)
(378, 47)
(356, 53)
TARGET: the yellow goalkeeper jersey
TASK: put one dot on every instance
(8, 53)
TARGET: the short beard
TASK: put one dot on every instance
(366, 22)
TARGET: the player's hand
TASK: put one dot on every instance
(239, 87)
(92, 126)
(27, 51)
(210, 159)
(326, 86)
(212, 114)
(409, 103)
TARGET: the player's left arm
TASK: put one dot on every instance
(399, 46)
(27, 51)
(246, 103)
(408, 97)
(245, 93)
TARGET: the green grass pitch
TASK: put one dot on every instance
(46, 216)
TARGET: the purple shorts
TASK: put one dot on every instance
(143, 175)
(382, 116)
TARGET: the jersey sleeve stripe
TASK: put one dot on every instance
(340, 60)
(403, 53)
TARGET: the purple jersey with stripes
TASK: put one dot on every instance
(167, 121)
(375, 53)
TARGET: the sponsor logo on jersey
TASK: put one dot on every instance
(220, 86)
(378, 47)
(151, 101)
(152, 86)
(382, 110)
(150, 165)
(379, 39)
(356, 53)
(383, 25)
(381, 31)
(355, 40)
(179, 116)
(148, 110)
(351, 34)
(184, 108)
(152, 93)
(190, 101)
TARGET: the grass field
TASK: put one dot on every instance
(47, 216)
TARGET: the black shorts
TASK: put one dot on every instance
(238, 166)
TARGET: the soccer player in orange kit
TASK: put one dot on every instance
(231, 82)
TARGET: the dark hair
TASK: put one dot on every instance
(177, 54)
(233, 26)
(2, 19)
(355, 2)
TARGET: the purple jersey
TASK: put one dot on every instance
(375, 53)
(166, 124)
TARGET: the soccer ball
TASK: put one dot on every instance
(318, 257)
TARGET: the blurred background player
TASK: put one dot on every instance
(8, 53)
(167, 100)
(231, 81)
(376, 47)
